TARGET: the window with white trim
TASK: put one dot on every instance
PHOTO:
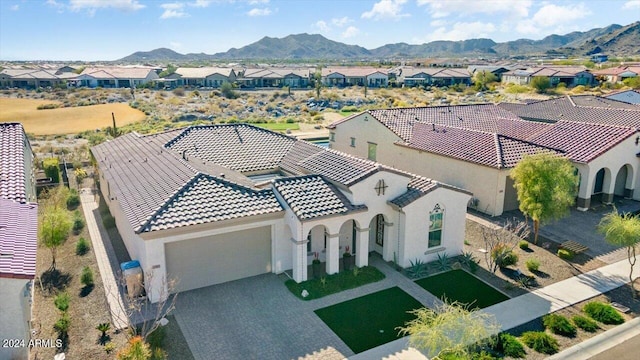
(436, 221)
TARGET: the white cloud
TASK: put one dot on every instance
(259, 12)
(386, 10)
(322, 26)
(256, 2)
(340, 22)
(15, 7)
(173, 11)
(351, 31)
(438, 23)
(201, 3)
(461, 31)
(440, 8)
(555, 18)
(175, 44)
(632, 4)
(93, 5)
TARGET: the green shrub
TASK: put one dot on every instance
(51, 169)
(73, 199)
(540, 83)
(533, 264)
(559, 324)
(82, 246)
(565, 254)
(503, 256)
(523, 244)
(48, 106)
(62, 325)
(585, 323)
(509, 345)
(62, 301)
(156, 338)
(87, 276)
(178, 91)
(158, 354)
(604, 313)
(78, 222)
(540, 341)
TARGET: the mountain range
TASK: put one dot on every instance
(613, 39)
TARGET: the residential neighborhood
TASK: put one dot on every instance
(363, 180)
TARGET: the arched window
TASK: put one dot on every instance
(380, 229)
(436, 217)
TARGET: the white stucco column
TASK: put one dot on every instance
(333, 254)
(586, 188)
(362, 247)
(299, 252)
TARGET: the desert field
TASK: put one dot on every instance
(66, 120)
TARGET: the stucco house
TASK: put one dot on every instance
(618, 73)
(274, 77)
(569, 75)
(203, 76)
(18, 236)
(475, 146)
(210, 204)
(114, 77)
(354, 76)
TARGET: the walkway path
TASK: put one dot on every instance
(103, 251)
(524, 308)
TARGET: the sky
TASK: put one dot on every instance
(93, 30)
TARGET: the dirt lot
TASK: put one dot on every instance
(67, 120)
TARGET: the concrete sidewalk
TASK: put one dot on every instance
(102, 249)
(527, 307)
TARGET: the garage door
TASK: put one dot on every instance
(216, 259)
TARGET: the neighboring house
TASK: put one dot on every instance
(18, 236)
(569, 75)
(618, 74)
(495, 70)
(274, 77)
(599, 135)
(31, 78)
(475, 146)
(626, 96)
(412, 76)
(211, 204)
(355, 76)
(114, 77)
(203, 76)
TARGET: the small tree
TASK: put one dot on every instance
(227, 91)
(500, 242)
(55, 227)
(451, 329)
(546, 184)
(622, 230)
(482, 78)
(540, 83)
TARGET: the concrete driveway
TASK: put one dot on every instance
(258, 318)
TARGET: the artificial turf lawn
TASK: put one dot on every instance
(460, 286)
(359, 322)
(335, 283)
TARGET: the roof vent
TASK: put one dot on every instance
(433, 127)
(184, 155)
(222, 175)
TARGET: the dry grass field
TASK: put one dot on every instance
(67, 120)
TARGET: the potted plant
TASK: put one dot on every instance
(316, 266)
(347, 260)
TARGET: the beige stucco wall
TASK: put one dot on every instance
(486, 183)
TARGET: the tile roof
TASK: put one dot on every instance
(482, 117)
(18, 239)
(338, 166)
(582, 142)
(352, 71)
(203, 72)
(253, 148)
(311, 196)
(117, 72)
(207, 199)
(12, 168)
(418, 187)
(572, 108)
(489, 149)
(627, 96)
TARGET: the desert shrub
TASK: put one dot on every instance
(516, 89)
(565, 254)
(81, 174)
(523, 244)
(82, 246)
(503, 256)
(51, 169)
(540, 83)
(62, 301)
(227, 91)
(48, 106)
(350, 108)
(559, 324)
(62, 325)
(540, 341)
(509, 345)
(87, 276)
(78, 222)
(585, 323)
(158, 354)
(73, 199)
(604, 313)
(178, 91)
(578, 89)
(533, 264)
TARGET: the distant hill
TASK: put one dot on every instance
(613, 39)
